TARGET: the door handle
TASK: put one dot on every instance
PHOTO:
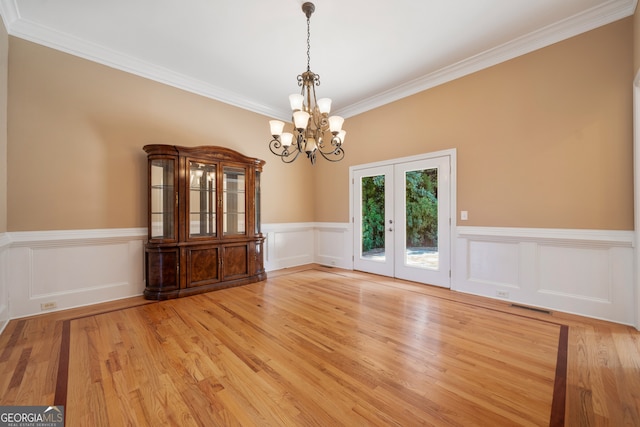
(390, 229)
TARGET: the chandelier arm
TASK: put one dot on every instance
(300, 141)
(288, 158)
(283, 152)
(336, 149)
(336, 143)
(274, 145)
(333, 156)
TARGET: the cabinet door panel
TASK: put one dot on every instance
(236, 260)
(259, 262)
(202, 266)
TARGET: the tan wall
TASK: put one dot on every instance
(76, 132)
(4, 58)
(544, 140)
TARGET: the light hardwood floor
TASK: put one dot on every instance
(326, 347)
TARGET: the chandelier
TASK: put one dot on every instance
(314, 131)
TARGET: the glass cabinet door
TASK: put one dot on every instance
(162, 199)
(234, 201)
(202, 199)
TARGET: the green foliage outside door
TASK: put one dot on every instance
(421, 198)
(372, 213)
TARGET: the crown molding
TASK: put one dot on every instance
(45, 36)
(598, 16)
(9, 13)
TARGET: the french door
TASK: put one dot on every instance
(402, 220)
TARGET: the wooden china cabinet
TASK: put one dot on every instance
(203, 219)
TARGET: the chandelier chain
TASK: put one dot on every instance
(308, 44)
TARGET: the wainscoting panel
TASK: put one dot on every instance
(334, 245)
(587, 272)
(288, 245)
(64, 269)
(4, 284)
(577, 273)
(51, 266)
(494, 263)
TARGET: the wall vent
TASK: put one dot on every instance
(539, 310)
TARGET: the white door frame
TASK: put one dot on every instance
(452, 153)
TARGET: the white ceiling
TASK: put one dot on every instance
(248, 52)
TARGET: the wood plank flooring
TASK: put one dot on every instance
(317, 346)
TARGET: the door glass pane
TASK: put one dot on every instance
(421, 246)
(233, 201)
(162, 199)
(373, 217)
(202, 199)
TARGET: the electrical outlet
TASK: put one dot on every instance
(502, 294)
(48, 305)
